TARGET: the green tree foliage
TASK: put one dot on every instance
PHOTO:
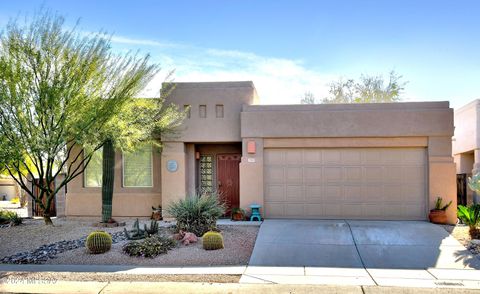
(139, 122)
(369, 89)
(308, 98)
(59, 89)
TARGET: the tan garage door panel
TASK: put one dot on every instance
(357, 183)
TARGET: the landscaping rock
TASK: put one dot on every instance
(45, 252)
(474, 246)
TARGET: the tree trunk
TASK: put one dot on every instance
(108, 176)
(474, 232)
(47, 219)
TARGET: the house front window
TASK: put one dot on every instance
(92, 174)
(137, 168)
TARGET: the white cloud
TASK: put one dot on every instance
(277, 80)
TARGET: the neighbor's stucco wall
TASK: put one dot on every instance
(466, 122)
(232, 95)
(8, 188)
(428, 125)
(127, 202)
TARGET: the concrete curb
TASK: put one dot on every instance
(124, 269)
(175, 288)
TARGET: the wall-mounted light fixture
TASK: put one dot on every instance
(197, 155)
(251, 147)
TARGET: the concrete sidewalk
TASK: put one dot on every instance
(428, 278)
(199, 288)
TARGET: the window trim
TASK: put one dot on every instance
(217, 106)
(200, 110)
(151, 171)
(85, 171)
(188, 109)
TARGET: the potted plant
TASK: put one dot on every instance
(438, 214)
(157, 213)
(238, 214)
(470, 216)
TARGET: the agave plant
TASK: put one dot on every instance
(198, 213)
(471, 217)
(474, 182)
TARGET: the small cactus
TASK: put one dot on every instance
(212, 241)
(153, 229)
(136, 233)
(98, 242)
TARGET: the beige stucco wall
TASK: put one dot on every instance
(232, 95)
(428, 124)
(466, 137)
(127, 202)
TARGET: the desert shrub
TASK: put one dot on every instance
(470, 216)
(10, 217)
(197, 214)
(149, 247)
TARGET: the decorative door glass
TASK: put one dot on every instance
(206, 173)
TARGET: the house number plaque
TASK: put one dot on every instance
(172, 166)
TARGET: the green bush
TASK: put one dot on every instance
(99, 242)
(470, 216)
(149, 247)
(9, 217)
(197, 214)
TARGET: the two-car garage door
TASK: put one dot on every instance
(351, 183)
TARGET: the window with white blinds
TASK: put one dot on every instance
(137, 168)
(92, 174)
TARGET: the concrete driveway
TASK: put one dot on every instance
(358, 244)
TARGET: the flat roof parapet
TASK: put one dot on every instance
(350, 106)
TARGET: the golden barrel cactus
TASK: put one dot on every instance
(212, 241)
(98, 242)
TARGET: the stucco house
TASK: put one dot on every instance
(466, 146)
(356, 161)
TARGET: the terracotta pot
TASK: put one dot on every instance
(438, 216)
(237, 216)
(157, 215)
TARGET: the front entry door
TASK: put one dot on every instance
(228, 175)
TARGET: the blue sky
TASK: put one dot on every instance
(289, 47)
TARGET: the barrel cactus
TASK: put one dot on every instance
(212, 241)
(98, 242)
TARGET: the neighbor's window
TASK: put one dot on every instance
(186, 108)
(137, 168)
(93, 172)
(202, 111)
(206, 173)
(219, 110)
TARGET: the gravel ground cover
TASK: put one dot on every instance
(460, 232)
(33, 233)
(239, 242)
(64, 244)
(109, 277)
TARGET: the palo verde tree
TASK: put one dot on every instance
(140, 122)
(369, 89)
(58, 89)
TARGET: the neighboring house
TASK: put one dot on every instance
(346, 161)
(466, 147)
(8, 188)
